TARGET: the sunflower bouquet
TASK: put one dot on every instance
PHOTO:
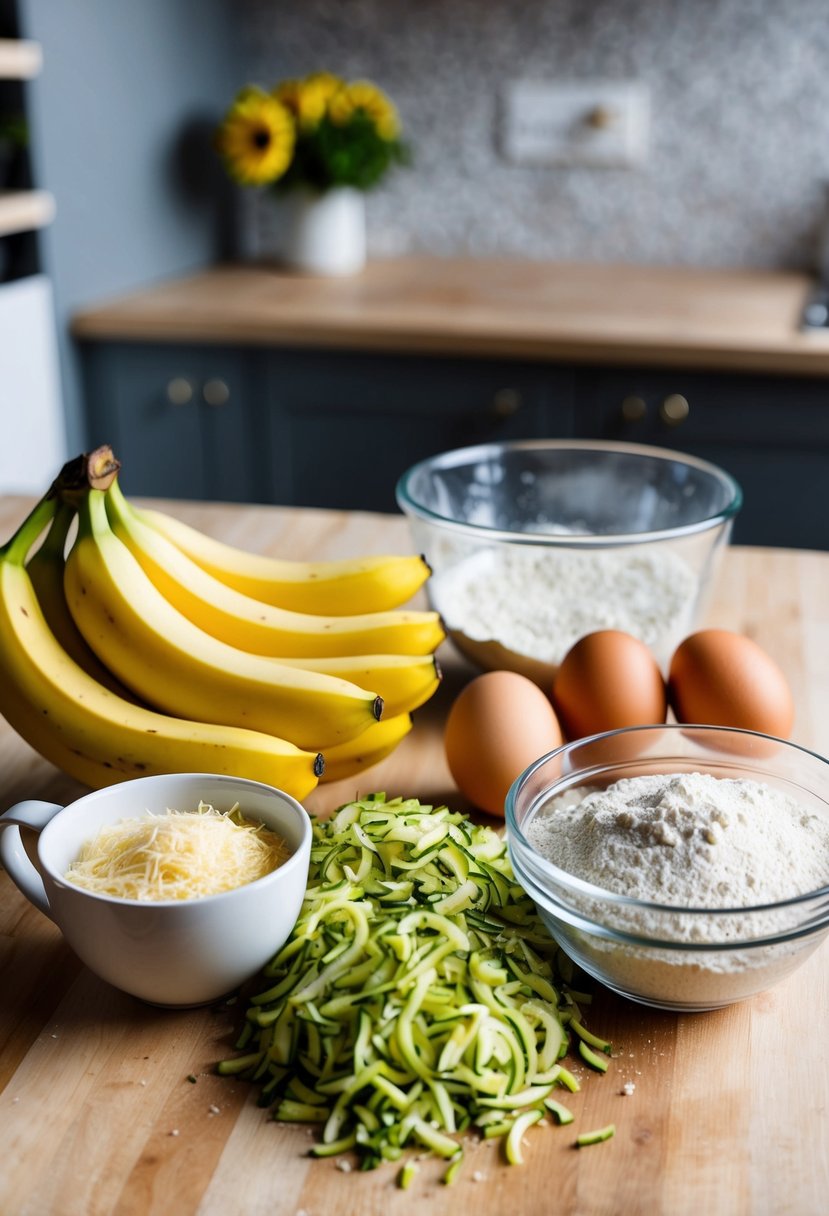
(319, 132)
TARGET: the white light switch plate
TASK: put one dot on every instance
(584, 122)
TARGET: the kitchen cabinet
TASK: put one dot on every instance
(309, 428)
(336, 429)
(183, 420)
(344, 427)
(342, 384)
(770, 432)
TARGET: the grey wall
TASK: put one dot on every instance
(120, 119)
(740, 135)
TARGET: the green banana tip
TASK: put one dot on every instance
(17, 548)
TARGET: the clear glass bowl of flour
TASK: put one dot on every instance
(685, 867)
(534, 544)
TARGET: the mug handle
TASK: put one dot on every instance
(24, 875)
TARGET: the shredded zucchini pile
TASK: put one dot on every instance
(415, 997)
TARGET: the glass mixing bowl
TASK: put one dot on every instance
(682, 958)
(533, 544)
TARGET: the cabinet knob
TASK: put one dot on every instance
(600, 118)
(634, 409)
(179, 390)
(216, 392)
(674, 409)
(505, 403)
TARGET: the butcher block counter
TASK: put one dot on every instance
(620, 314)
(729, 1112)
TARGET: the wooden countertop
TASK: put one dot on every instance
(729, 1115)
(614, 314)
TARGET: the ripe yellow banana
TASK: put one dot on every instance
(335, 588)
(379, 741)
(96, 736)
(252, 625)
(404, 683)
(178, 668)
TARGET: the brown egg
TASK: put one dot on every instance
(719, 678)
(498, 725)
(608, 680)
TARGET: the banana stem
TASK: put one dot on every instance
(115, 495)
(102, 467)
(91, 470)
(92, 516)
(54, 542)
(17, 549)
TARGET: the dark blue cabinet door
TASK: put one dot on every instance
(183, 420)
(770, 433)
(332, 429)
(345, 427)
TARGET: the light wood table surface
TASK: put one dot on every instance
(730, 1114)
(656, 316)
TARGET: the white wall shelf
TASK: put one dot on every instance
(19, 59)
(25, 210)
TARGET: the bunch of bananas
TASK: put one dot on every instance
(150, 647)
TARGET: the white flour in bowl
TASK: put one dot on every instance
(688, 840)
(538, 602)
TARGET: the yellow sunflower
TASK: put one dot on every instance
(256, 138)
(362, 95)
(308, 98)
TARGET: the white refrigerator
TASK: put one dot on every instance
(32, 433)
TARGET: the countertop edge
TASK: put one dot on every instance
(394, 308)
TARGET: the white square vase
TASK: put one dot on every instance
(321, 233)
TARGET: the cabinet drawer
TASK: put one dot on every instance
(179, 418)
(345, 427)
(673, 409)
(771, 434)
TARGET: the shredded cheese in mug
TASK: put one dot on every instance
(178, 855)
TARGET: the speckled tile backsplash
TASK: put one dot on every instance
(738, 159)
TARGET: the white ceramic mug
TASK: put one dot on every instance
(171, 952)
